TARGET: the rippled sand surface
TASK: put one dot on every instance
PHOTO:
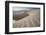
(33, 20)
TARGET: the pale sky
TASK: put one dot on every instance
(20, 8)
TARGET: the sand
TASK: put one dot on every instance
(33, 20)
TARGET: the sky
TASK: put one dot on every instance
(20, 8)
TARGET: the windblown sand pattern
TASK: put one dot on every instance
(32, 20)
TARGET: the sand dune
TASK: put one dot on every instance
(20, 16)
(33, 20)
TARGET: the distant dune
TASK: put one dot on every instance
(32, 20)
(20, 16)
